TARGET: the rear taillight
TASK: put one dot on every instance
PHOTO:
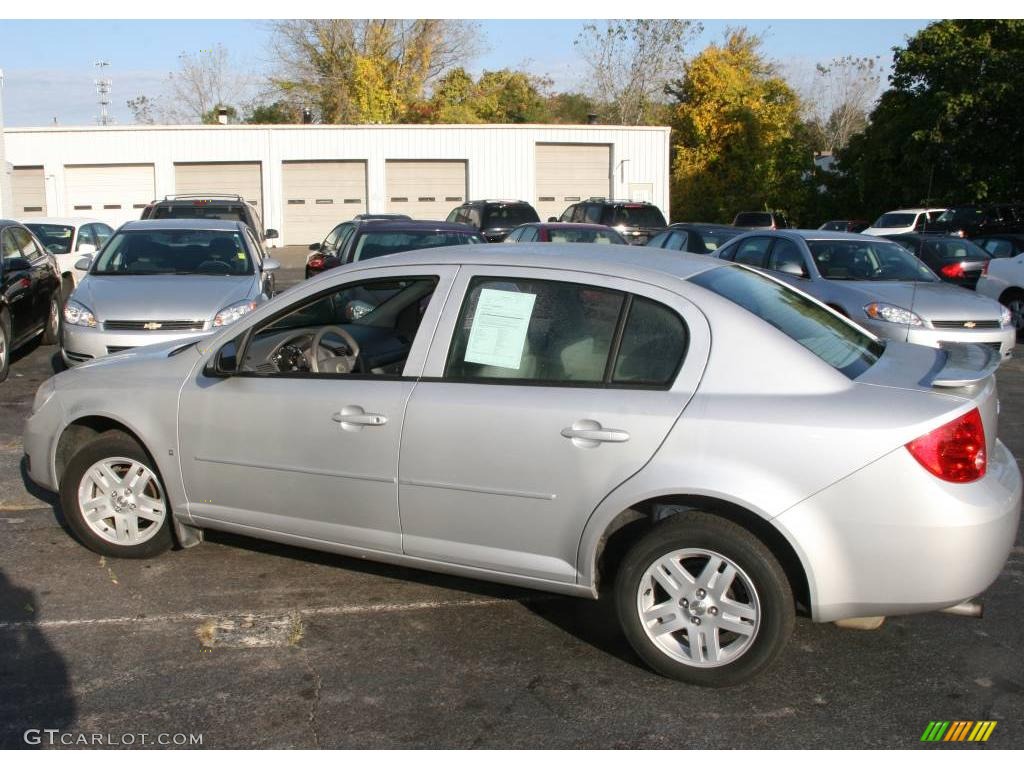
(316, 263)
(954, 452)
(984, 269)
(953, 270)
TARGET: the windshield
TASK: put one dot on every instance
(200, 209)
(174, 252)
(969, 215)
(581, 235)
(373, 244)
(56, 237)
(894, 220)
(868, 260)
(633, 216)
(508, 216)
(840, 344)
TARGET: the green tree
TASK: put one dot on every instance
(738, 141)
(950, 128)
(278, 112)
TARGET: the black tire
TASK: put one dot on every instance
(1012, 300)
(53, 319)
(106, 446)
(700, 531)
(5, 345)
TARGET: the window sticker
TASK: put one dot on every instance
(499, 328)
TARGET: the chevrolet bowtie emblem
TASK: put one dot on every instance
(970, 324)
(153, 326)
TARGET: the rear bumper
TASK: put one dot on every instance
(892, 539)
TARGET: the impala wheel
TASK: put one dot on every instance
(704, 601)
(113, 499)
(52, 332)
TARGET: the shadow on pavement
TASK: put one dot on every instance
(35, 690)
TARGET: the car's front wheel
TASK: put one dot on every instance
(113, 498)
(51, 334)
(704, 601)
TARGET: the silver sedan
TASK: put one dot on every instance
(710, 446)
(877, 284)
(163, 280)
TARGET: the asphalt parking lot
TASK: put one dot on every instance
(252, 644)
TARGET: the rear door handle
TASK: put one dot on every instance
(353, 418)
(587, 433)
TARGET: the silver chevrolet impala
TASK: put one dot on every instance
(715, 448)
(163, 280)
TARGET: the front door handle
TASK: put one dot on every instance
(353, 418)
(587, 433)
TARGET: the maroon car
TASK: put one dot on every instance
(564, 232)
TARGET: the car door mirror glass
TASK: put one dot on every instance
(226, 362)
(314, 246)
(271, 265)
(84, 263)
(271, 234)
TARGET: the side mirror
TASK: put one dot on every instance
(225, 363)
(271, 265)
(271, 235)
(553, 219)
(84, 263)
(86, 248)
(314, 246)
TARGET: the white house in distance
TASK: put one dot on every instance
(307, 178)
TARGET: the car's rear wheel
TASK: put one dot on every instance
(702, 600)
(113, 498)
(5, 345)
(52, 332)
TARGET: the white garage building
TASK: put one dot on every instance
(306, 178)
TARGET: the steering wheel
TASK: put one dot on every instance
(333, 363)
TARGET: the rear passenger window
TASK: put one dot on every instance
(557, 333)
(752, 251)
(534, 330)
(653, 344)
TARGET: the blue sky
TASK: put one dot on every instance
(48, 65)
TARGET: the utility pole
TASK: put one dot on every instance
(103, 91)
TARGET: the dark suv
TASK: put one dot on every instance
(636, 222)
(760, 220)
(212, 206)
(975, 220)
(362, 239)
(494, 219)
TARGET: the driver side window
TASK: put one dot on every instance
(358, 329)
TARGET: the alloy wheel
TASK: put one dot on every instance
(698, 607)
(121, 501)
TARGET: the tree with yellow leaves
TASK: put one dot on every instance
(738, 141)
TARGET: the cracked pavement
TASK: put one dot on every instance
(254, 644)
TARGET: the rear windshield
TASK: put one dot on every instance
(893, 220)
(969, 215)
(174, 252)
(508, 216)
(846, 348)
(955, 249)
(198, 209)
(633, 216)
(868, 260)
(753, 219)
(585, 235)
(373, 244)
(56, 237)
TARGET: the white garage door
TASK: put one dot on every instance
(28, 188)
(568, 173)
(242, 179)
(320, 194)
(425, 189)
(111, 193)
